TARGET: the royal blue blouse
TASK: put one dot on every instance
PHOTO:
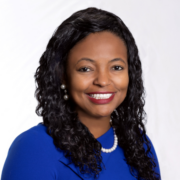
(33, 156)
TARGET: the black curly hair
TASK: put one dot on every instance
(59, 116)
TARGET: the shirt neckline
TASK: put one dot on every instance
(107, 139)
(106, 134)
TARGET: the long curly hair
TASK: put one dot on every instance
(59, 116)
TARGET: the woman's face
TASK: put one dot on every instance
(97, 74)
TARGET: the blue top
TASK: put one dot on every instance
(33, 156)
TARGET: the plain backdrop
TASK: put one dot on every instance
(27, 25)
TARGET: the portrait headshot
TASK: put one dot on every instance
(93, 91)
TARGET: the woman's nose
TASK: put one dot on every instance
(102, 79)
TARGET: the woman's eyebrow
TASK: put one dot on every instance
(93, 61)
(118, 59)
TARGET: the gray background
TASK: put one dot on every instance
(26, 27)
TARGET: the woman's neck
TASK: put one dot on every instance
(96, 125)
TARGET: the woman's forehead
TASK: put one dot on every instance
(99, 45)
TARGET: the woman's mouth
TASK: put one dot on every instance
(101, 97)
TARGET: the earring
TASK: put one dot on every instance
(65, 91)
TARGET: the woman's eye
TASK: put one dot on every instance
(84, 69)
(117, 68)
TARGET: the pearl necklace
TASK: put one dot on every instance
(114, 146)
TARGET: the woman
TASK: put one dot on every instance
(91, 97)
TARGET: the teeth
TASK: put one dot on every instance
(101, 96)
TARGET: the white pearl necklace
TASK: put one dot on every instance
(114, 146)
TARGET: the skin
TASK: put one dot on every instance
(98, 74)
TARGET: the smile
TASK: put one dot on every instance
(101, 97)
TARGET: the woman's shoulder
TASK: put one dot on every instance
(31, 155)
(152, 153)
(36, 130)
(150, 143)
(35, 135)
(36, 140)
